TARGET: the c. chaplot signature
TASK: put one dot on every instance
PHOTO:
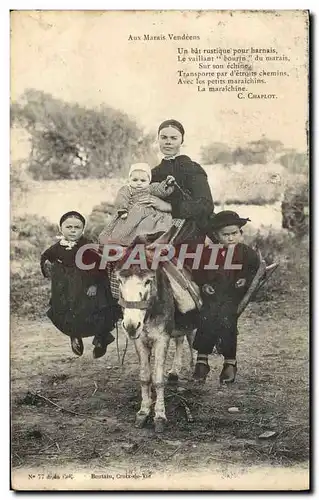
(128, 474)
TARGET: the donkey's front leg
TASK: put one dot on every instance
(144, 355)
(160, 352)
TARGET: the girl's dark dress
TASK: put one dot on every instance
(71, 310)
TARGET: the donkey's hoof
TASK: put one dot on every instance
(141, 419)
(172, 378)
(160, 424)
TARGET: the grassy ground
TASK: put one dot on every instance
(97, 431)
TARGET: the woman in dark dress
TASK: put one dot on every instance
(81, 302)
(192, 198)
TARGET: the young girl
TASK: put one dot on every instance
(81, 303)
(136, 212)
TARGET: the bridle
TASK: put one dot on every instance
(136, 304)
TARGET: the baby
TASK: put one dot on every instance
(140, 208)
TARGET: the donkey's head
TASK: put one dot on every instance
(138, 291)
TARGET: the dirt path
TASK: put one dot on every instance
(271, 393)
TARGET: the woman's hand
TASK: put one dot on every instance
(123, 213)
(158, 204)
(91, 291)
(170, 180)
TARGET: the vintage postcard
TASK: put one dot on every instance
(159, 250)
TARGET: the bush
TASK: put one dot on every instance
(296, 163)
(254, 152)
(215, 153)
(98, 220)
(30, 236)
(262, 151)
(30, 291)
(72, 142)
(273, 245)
(295, 206)
(290, 253)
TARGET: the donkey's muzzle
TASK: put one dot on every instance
(132, 329)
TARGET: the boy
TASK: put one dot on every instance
(222, 290)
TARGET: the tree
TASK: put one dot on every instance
(261, 151)
(296, 163)
(71, 141)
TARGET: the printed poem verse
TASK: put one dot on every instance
(240, 70)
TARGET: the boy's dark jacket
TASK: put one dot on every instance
(225, 282)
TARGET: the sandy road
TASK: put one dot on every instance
(271, 393)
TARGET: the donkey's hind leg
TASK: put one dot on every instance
(160, 352)
(174, 372)
(190, 335)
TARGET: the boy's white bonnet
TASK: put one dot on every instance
(141, 166)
